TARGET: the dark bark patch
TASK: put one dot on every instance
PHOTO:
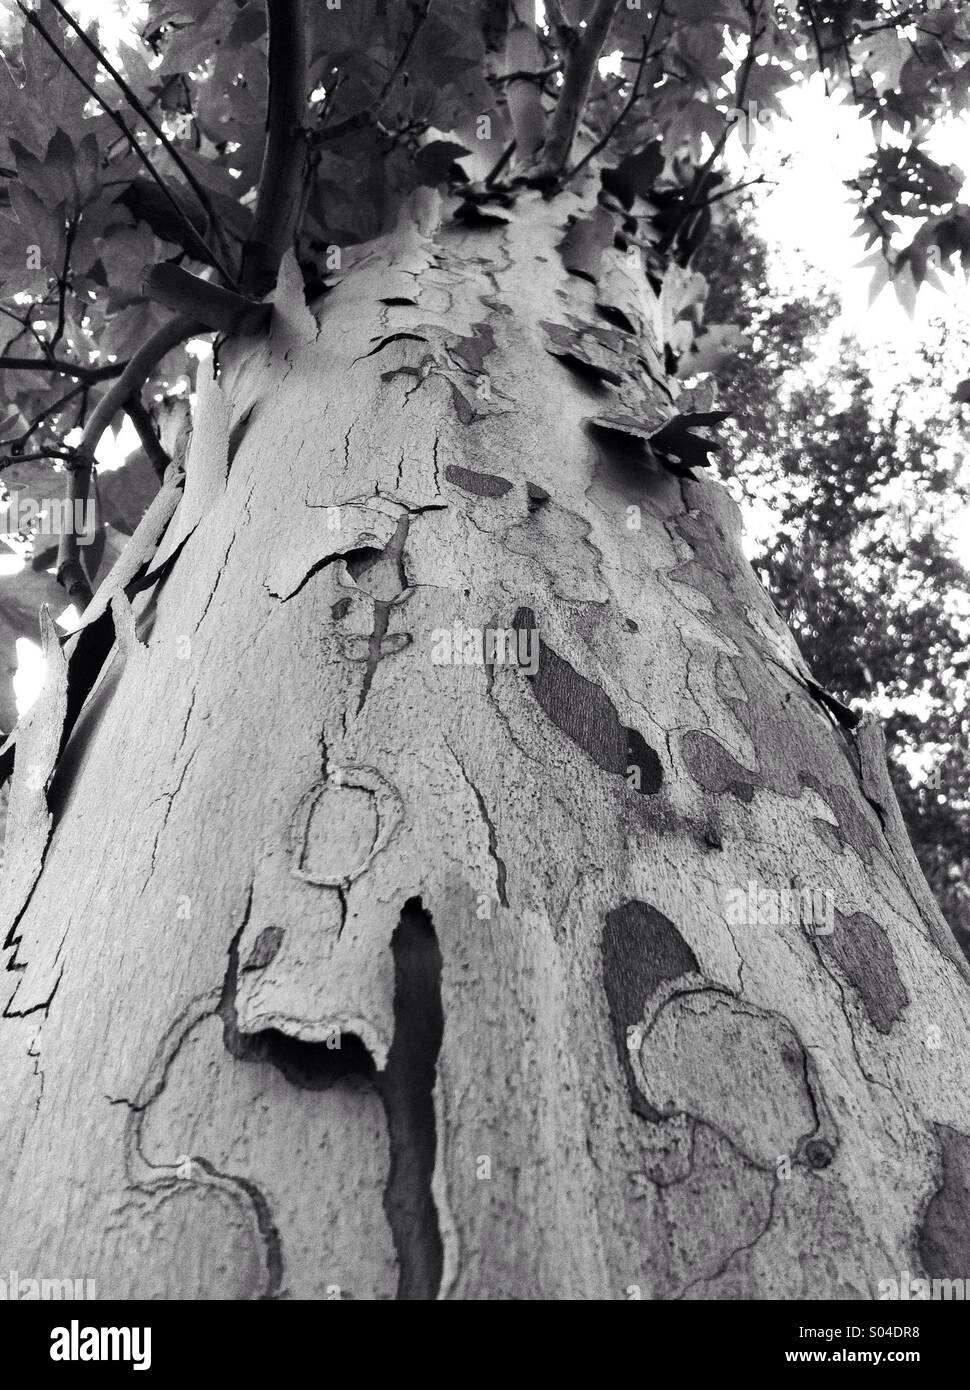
(854, 828)
(265, 949)
(471, 352)
(828, 834)
(861, 950)
(412, 373)
(496, 305)
(478, 219)
(464, 409)
(642, 764)
(593, 352)
(847, 717)
(585, 714)
(537, 496)
(677, 439)
(640, 949)
(819, 1154)
(402, 337)
(382, 575)
(713, 768)
(712, 835)
(481, 484)
(615, 316)
(943, 1238)
(406, 1087)
(581, 249)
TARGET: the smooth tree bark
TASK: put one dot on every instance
(347, 964)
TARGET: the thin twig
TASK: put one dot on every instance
(500, 164)
(62, 284)
(141, 418)
(59, 368)
(116, 116)
(727, 192)
(539, 76)
(70, 572)
(369, 113)
(212, 222)
(27, 327)
(52, 409)
(54, 452)
(817, 39)
(221, 310)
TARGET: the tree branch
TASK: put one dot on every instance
(500, 164)
(39, 364)
(580, 67)
(634, 97)
(539, 77)
(27, 327)
(522, 96)
(817, 39)
(52, 409)
(70, 572)
(141, 418)
(566, 35)
(62, 452)
(280, 188)
(221, 310)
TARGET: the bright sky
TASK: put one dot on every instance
(809, 215)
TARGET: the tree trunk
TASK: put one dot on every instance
(372, 957)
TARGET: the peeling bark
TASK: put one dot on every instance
(353, 971)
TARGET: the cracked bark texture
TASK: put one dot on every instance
(563, 1071)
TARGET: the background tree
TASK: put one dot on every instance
(431, 868)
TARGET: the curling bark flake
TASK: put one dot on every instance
(564, 1069)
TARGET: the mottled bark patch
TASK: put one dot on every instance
(713, 768)
(585, 241)
(703, 1044)
(861, 949)
(943, 1238)
(481, 484)
(585, 713)
(536, 495)
(640, 948)
(853, 827)
(265, 949)
(472, 351)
